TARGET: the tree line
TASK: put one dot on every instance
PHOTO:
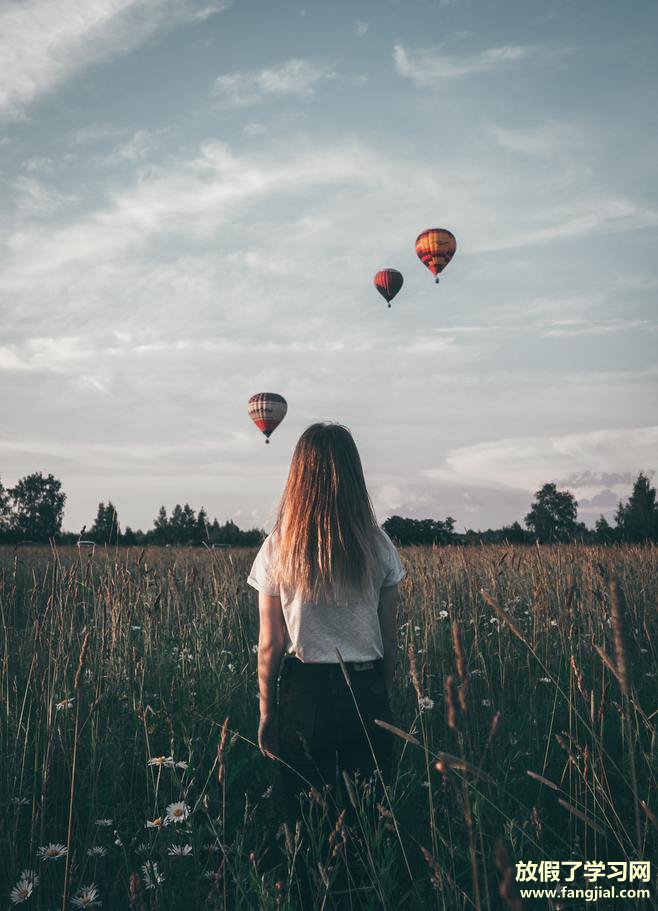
(553, 519)
(33, 510)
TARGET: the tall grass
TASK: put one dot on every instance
(525, 703)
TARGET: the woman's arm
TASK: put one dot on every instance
(388, 615)
(271, 644)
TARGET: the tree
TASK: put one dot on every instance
(637, 520)
(201, 528)
(5, 510)
(552, 516)
(38, 506)
(105, 529)
(419, 531)
(604, 533)
(182, 524)
(161, 533)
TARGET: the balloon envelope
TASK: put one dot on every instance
(388, 282)
(267, 410)
(435, 248)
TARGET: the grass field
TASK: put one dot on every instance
(128, 684)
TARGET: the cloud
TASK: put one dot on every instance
(425, 67)
(35, 200)
(529, 462)
(545, 140)
(295, 77)
(360, 28)
(42, 43)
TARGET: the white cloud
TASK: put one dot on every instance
(528, 462)
(543, 141)
(43, 43)
(295, 77)
(360, 28)
(425, 67)
(35, 200)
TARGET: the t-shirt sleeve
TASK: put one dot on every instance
(261, 576)
(394, 571)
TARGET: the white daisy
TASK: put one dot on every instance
(179, 850)
(155, 823)
(86, 897)
(544, 679)
(162, 761)
(443, 615)
(486, 702)
(27, 882)
(65, 704)
(151, 876)
(52, 851)
(425, 704)
(178, 811)
(96, 851)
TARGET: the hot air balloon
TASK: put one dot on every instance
(436, 247)
(267, 410)
(388, 282)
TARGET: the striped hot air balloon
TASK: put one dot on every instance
(436, 247)
(388, 282)
(267, 410)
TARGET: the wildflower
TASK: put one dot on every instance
(65, 704)
(553, 622)
(155, 824)
(151, 876)
(96, 851)
(544, 679)
(181, 764)
(27, 882)
(486, 702)
(254, 649)
(417, 629)
(162, 761)
(52, 851)
(117, 839)
(136, 628)
(86, 897)
(476, 672)
(104, 822)
(179, 850)
(443, 615)
(425, 704)
(231, 667)
(177, 811)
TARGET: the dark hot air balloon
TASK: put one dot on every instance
(267, 410)
(436, 247)
(388, 282)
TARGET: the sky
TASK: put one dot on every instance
(196, 194)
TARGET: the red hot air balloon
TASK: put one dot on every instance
(436, 247)
(388, 282)
(267, 410)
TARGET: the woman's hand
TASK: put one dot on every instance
(267, 737)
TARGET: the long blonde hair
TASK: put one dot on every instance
(326, 527)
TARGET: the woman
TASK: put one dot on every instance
(327, 579)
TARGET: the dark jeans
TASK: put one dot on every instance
(320, 732)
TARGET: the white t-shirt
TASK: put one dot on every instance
(315, 630)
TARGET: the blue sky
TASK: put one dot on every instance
(196, 195)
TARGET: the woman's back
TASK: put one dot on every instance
(347, 621)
